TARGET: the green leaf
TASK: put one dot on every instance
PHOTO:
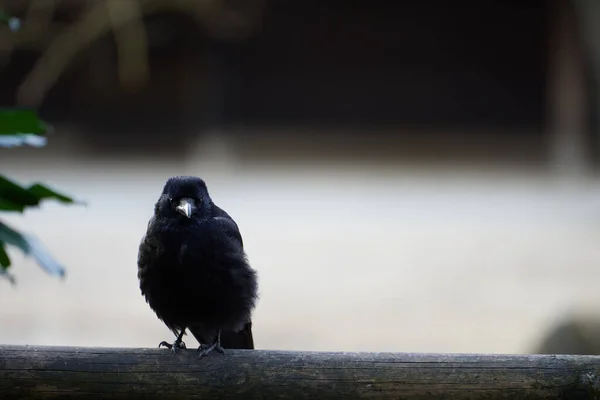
(18, 122)
(14, 238)
(14, 197)
(4, 260)
(8, 277)
(20, 139)
(44, 192)
(44, 258)
(4, 264)
(13, 23)
(4, 17)
(7, 205)
(31, 246)
(21, 120)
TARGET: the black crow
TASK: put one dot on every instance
(193, 270)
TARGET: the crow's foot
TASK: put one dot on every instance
(205, 349)
(177, 344)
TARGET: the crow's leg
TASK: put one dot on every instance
(177, 344)
(205, 349)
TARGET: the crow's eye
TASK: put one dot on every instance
(171, 200)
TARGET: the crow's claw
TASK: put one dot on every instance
(178, 344)
(205, 349)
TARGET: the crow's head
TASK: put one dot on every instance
(184, 198)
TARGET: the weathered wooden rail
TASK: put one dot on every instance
(39, 372)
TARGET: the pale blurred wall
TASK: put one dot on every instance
(352, 255)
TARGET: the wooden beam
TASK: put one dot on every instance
(38, 372)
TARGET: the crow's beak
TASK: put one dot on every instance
(185, 208)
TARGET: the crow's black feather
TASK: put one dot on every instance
(193, 270)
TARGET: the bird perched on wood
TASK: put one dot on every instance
(193, 270)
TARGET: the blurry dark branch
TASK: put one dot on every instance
(132, 46)
(39, 16)
(37, 372)
(567, 92)
(223, 19)
(588, 14)
(60, 52)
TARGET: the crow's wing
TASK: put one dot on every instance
(227, 224)
(150, 257)
(148, 253)
(230, 339)
(238, 340)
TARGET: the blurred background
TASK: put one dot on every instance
(408, 176)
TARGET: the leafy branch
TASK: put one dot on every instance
(20, 127)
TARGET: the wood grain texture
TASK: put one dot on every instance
(40, 372)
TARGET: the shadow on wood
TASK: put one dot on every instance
(37, 372)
